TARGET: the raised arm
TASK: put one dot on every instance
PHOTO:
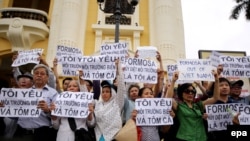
(58, 87)
(121, 89)
(170, 91)
(216, 94)
(160, 78)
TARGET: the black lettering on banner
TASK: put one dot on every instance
(245, 109)
(172, 68)
(141, 120)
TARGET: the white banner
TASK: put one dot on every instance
(170, 71)
(27, 56)
(98, 68)
(234, 66)
(147, 52)
(115, 50)
(244, 117)
(215, 58)
(20, 102)
(72, 104)
(220, 115)
(195, 69)
(140, 70)
(65, 51)
(153, 111)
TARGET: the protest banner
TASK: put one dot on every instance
(115, 50)
(220, 115)
(147, 52)
(244, 117)
(153, 111)
(170, 71)
(215, 58)
(140, 70)
(245, 89)
(71, 65)
(195, 69)
(94, 67)
(20, 102)
(72, 104)
(27, 56)
(236, 66)
(66, 51)
(98, 68)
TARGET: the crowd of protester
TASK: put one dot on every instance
(114, 105)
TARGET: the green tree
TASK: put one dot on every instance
(242, 5)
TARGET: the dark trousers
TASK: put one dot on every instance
(44, 133)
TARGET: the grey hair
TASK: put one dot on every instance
(41, 66)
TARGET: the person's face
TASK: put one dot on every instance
(106, 94)
(224, 88)
(24, 82)
(89, 87)
(133, 93)
(188, 94)
(65, 85)
(73, 87)
(40, 76)
(235, 90)
(147, 93)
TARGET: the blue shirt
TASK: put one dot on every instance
(49, 95)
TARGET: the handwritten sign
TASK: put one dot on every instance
(195, 69)
(170, 71)
(153, 111)
(20, 102)
(72, 104)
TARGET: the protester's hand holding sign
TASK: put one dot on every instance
(133, 114)
(42, 104)
(53, 107)
(236, 119)
(1, 104)
(91, 110)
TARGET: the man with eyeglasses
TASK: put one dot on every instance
(235, 91)
(38, 129)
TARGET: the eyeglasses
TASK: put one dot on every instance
(187, 91)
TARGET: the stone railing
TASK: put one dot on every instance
(24, 13)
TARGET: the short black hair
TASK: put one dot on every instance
(106, 83)
(67, 78)
(132, 86)
(181, 88)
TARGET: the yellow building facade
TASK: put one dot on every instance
(28, 24)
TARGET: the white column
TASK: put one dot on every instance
(68, 22)
(166, 30)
